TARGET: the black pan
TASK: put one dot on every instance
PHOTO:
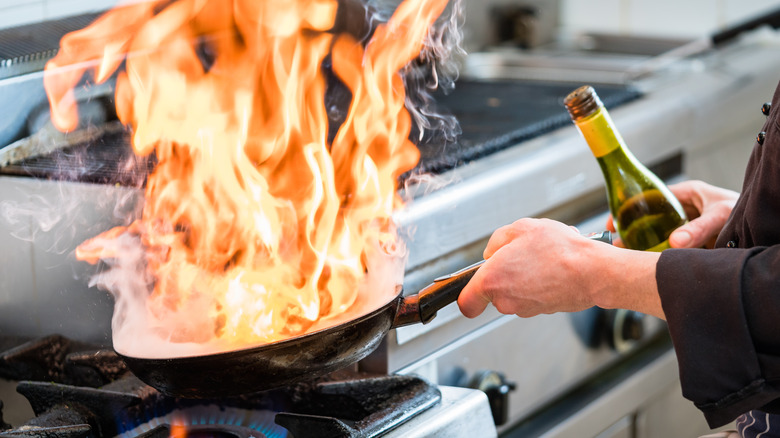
(303, 357)
(298, 358)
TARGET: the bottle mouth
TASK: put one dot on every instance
(582, 102)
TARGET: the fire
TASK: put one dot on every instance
(178, 431)
(251, 212)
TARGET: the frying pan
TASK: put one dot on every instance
(303, 357)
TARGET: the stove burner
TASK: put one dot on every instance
(76, 391)
(166, 431)
(210, 421)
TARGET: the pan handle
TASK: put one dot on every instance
(444, 290)
(423, 306)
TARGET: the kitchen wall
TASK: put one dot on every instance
(669, 18)
(480, 27)
(18, 12)
(673, 18)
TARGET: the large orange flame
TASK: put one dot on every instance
(250, 207)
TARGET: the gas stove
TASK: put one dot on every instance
(553, 375)
(78, 390)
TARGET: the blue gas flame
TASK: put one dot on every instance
(261, 421)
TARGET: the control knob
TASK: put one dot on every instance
(624, 328)
(497, 388)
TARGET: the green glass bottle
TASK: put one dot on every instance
(643, 209)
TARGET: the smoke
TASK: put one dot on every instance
(27, 220)
(61, 213)
(436, 69)
(59, 205)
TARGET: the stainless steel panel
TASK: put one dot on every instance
(668, 414)
(43, 288)
(624, 428)
(552, 66)
(462, 413)
(544, 356)
(621, 401)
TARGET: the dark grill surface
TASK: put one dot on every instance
(496, 115)
(109, 159)
(493, 116)
(34, 44)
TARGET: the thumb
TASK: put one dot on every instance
(472, 301)
(695, 233)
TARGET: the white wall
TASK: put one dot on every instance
(675, 18)
(667, 18)
(478, 27)
(18, 12)
(671, 18)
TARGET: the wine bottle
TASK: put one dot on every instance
(643, 209)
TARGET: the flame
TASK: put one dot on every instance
(250, 208)
(178, 431)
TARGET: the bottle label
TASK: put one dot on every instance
(600, 133)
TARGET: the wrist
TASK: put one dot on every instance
(626, 280)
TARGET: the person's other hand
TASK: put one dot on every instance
(707, 207)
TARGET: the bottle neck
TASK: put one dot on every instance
(600, 133)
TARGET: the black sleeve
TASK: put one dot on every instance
(723, 311)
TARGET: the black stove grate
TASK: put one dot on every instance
(91, 393)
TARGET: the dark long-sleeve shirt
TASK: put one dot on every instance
(723, 305)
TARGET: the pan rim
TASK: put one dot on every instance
(271, 346)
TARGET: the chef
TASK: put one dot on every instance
(718, 287)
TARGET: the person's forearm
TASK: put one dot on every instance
(626, 280)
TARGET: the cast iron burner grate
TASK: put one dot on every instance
(78, 392)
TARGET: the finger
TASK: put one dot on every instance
(500, 237)
(472, 302)
(610, 225)
(689, 193)
(686, 191)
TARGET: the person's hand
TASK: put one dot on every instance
(707, 207)
(538, 266)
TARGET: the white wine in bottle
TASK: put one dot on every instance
(643, 209)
